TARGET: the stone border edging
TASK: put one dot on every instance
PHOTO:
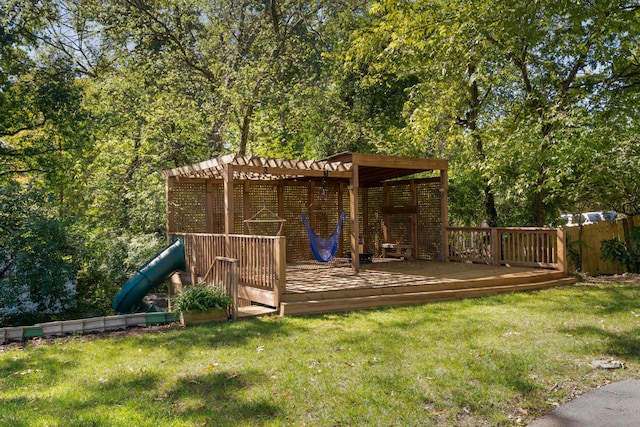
(83, 326)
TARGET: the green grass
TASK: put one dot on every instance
(501, 360)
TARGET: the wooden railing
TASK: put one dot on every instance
(261, 262)
(226, 275)
(526, 247)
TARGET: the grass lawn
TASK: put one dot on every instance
(502, 360)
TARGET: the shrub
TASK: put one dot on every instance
(202, 297)
(614, 250)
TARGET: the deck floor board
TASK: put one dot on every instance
(313, 278)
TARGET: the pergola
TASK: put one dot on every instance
(217, 195)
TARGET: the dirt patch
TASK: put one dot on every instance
(615, 278)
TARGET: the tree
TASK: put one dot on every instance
(518, 84)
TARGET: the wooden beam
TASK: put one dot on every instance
(403, 209)
(444, 214)
(414, 219)
(296, 172)
(355, 226)
(373, 160)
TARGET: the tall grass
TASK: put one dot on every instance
(501, 360)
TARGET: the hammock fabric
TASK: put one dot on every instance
(324, 248)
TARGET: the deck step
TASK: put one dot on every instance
(413, 288)
(328, 305)
(255, 311)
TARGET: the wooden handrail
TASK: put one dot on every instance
(527, 247)
(261, 259)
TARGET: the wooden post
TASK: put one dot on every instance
(340, 210)
(444, 213)
(280, 256)
(414, 220)
(355, 226)
(496, 246)
(561, 251)
(228, 207)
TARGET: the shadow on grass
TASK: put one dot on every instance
(205, 399)
(180, 341)
(624, 344)
(21, 371)
(606, 299)
(145, 398)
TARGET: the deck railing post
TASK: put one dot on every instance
(561, 251)
(280, 259)
(496, 246)
(227, 276)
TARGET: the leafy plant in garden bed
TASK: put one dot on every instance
(616, 251)
(201, 303)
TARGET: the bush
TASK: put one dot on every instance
(615, 251)
(202, 297)
(37, 259)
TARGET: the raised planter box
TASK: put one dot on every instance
(188, 318)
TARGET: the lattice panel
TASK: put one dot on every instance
(295, 201)
(262, 205)
(323, 212)
(238, 208)
(346, 225)
(400, 195)
(399, 225)
(373, 235)
(189, 207)
(429, 221)
(217, 207)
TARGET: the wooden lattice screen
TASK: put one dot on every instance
(429, 220)
(187, 207)
(197, 206)
(295, 196)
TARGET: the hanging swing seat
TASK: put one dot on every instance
(265, 216)
(324, 248)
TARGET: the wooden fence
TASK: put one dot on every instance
(261, 262)
(583, 245)
(526, 247)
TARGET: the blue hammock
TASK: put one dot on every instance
(324, 248)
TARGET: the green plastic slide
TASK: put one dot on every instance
(150, 275)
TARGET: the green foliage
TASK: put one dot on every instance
(108, 259)
(200, 297)
(37, 256)
(616, 251)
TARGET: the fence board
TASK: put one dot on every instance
(584, 242)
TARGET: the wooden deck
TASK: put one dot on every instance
(313, 288)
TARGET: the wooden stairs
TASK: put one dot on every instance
(364, 298)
